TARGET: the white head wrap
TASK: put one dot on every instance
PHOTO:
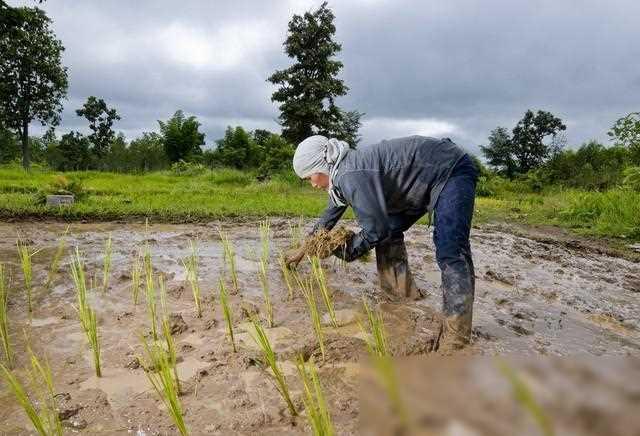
(319, 154)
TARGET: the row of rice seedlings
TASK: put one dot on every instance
(306, 287)
(191, 268)
(226, 312)
(286, 275)
(150, 291)
(87, 315)
(315, 405)
(270, 360)
(385, 368)
(166, 332)
(158, 370)
(526, 399)
(296, 232)
(321, 280)
(41, 411)
(4, 318)
(57, 257)
(27, 269)
(230, 259)
(106, 263)
(264, 281)
(136, 272)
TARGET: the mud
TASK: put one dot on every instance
(533, 297)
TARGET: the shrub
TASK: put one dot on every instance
(62, 185)
(182, 168)
(632, 178)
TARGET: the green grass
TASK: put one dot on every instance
(4, 318)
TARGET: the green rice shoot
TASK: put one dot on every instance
(4, 318)
(166, 332)
(57, 257)
(321, 280)
(230, 259)
(377, 341)
(136, 272)
(286, 275)
(270, 360)
(86, 314)
(191, 269)
(226, 312)
(264, 281)
(150, 293)
(159, 373)
(106, 263)
(265, 236)
(27, 270)
(306, 287)
(315, 405)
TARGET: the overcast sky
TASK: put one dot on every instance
(437, 68)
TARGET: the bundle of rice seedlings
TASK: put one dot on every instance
(526, 399)
(41, 411)
(306, 287)
(377, 344)
(4, 318)
(286, 275)
(226, 311)
(106, 263)
(270, 360)
(86, 314)
(321, 280)
(230, 259)
(162, 380)
(136, 271)
(27, 270)
(55, 262)
(315, 405)
(166, 332)
(264, 281)
(323, 243)
(191, 268)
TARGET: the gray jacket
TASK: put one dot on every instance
(389, 186)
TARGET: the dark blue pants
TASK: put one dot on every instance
(452, 223)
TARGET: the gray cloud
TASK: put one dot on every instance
(455, 69)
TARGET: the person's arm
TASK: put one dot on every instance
(329, 218)
(363, 190)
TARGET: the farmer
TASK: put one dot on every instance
(389, 186)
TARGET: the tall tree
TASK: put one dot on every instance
(528, 138)
(499, 152)
(307, 89)
(626, 133)
(101, 119)
(181, 137)
(33, 81)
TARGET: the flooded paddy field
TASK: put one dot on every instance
(534, 298)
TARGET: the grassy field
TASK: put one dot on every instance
(165, 196)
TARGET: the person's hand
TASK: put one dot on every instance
(293, 257)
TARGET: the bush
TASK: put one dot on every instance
(632, 178)
(62, 185)
(182, 168)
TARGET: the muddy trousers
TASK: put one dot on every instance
(452, 225)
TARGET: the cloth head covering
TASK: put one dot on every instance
(319, 154)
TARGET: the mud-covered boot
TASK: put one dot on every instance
(455, 333)
(394, 273)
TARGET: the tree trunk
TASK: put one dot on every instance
(26, 161)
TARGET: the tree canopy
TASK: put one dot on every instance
(181, 137)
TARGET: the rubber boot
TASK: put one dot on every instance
(393, 271)
(455, 333)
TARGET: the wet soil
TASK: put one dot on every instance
(534, 297)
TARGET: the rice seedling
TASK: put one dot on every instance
(106, 263)
(160, 375)
(166, 332)
(306, 287)
(4, 318)
(265, 235)
(315, 405)
(286, 275)
(41, 411)
(87, 315)
(270, 360)
(191, 268)
(150, 293)
(57, 257)
(526, 399)
(27, 269)
(230, 258)
(136, 271)
(264, 281)
(226, 311)
(321, 280)
(296, 232)
(377, 343)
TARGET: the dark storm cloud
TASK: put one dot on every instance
(457, 68)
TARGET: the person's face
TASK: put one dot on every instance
(319, 181)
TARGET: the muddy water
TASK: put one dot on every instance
(532, 298)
